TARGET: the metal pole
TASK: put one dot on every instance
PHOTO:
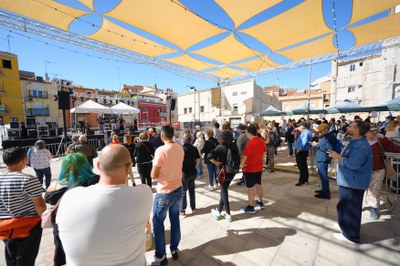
(309, 91)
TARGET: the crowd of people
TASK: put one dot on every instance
(97, 216)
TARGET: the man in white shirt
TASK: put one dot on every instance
(104, 224)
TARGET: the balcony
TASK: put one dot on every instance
(38, 94)
(3, 109)
(38, 111)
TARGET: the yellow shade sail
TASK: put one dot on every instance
(227, 72)
(258, 64)
(227, 51)
(242, 10)
(165, 19)
(115, 35)
(365, 8)
(312, 49)
(46, 11)
(88, 3)
(190, 62)
(378, 30)
(303, 22)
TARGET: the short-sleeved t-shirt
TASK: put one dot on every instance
(104, 225)
(40, 159)
(169, 158)
(254, 151)
(16, 193)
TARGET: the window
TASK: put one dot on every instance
(190, 109)
(235, 107)
(351, 89)
(234, 93)
(361, 64)
(243, 92)
(201, 109)
(144, 110)
(352, 67)
(7, 63)
(360, 87)
(34, 93)
(185, 110)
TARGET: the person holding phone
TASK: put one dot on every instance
(353, 178)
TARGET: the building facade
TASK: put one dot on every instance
(11, 98)
(41, 108)
(369, 80)
(234, 103)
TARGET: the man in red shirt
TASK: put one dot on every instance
(252, 165)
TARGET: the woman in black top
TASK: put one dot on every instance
(128, 143)
(218, 157)
(209, 145)
(144, 153)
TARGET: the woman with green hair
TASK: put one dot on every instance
(75, 171)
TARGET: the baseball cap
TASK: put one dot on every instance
(323, 126)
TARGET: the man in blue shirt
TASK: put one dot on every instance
(328, 142)
(354, 176)
(302, 148)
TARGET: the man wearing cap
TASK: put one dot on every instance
(302, 148)
(327, 143)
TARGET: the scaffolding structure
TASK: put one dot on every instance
(14, 21)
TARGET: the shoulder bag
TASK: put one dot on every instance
(390, 173)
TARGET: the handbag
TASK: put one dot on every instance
(149, 236)
(49, 217)
(390, 173)
(222, 175)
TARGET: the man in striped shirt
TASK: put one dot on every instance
(21, 205)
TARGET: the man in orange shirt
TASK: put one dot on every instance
(167, 170)
(252, 165)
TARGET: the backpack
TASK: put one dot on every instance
(232, 163)
(338, 147)
(276, 141)
(29, 153)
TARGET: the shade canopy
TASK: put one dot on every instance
(122, 108)
(271, 111)
(220, 40)
(90, 107)
(345, 106)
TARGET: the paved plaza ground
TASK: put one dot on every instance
(294, 229)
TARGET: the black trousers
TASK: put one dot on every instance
(224, 199)
(188, 184)
(59, 254)
(144, 172)
(23, 251)
(301, 160)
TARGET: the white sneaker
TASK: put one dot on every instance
(342, 238)
(209, 187)
(216, 214)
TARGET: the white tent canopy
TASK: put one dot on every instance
(123, 108)
(90, 107)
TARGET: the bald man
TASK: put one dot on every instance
(84, 147)
(104, 224)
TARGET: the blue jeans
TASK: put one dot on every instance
(323, 176)
(290, 146)
(349, 209)
(212, 173)
(199, 168)
(44, 172)
(162, 204)
(188, 184)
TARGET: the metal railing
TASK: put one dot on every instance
(392, 187)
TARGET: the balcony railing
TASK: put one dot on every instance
(38, 94)
(39, 111)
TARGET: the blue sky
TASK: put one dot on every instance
(96, 70)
